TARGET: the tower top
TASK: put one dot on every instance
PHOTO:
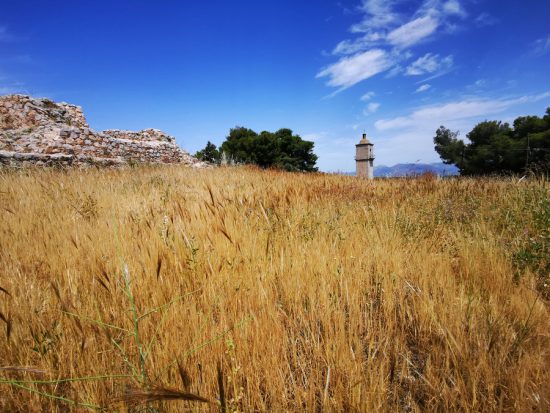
(364, 140)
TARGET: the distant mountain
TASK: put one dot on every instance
(408, 169)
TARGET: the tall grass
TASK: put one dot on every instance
(266, 291)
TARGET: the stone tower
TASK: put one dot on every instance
(364, 158)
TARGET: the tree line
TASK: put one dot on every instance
(496, 147)
(281, 149)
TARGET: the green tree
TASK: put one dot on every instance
(449, 147)
(210, 153)
(281, 149)
(495, 147)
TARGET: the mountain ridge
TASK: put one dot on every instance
(411, 169)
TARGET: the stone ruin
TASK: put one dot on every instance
(42, 132)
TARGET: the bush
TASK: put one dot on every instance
(281, 149)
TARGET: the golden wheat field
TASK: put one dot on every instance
(164, 289)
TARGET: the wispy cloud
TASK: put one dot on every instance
(452, 111)
(454, 7)
(362, 43)
(423, 88)
(351, 70)
(415, 130)
(367, 96)
(485, 19)
(384, 39)
(413, 32)
(396, 70)
(371, 108)
(429, 63)
(541, 46)
(378, 14)
(480, 83)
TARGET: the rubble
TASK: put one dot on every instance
(42, 132)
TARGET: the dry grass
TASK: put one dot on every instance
(283, 292)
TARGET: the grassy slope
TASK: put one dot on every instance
(310, 291)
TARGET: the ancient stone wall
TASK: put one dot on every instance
(18, 111)
(43, 132)
(149, 135)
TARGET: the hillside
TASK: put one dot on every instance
(263, 291)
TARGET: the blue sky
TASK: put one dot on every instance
(329, 70)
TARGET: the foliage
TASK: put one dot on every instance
(529, 221)
(281, 149)
(210, 153)
(495, 147)
(448, 145)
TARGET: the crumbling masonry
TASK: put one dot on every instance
(42, 132)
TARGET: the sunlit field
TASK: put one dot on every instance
(234, 289)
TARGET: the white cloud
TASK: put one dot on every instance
(429, 63)
(453, 7)
(421, 124)
(380, 21)
(362, 43)
(418, 144)
(542, 46)
(423, 88)
(452, 111)
(371, 108)
(351, 70)
(415, 141)
(384, 37)
(367, 96)
(378, 15)
(413, 31)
